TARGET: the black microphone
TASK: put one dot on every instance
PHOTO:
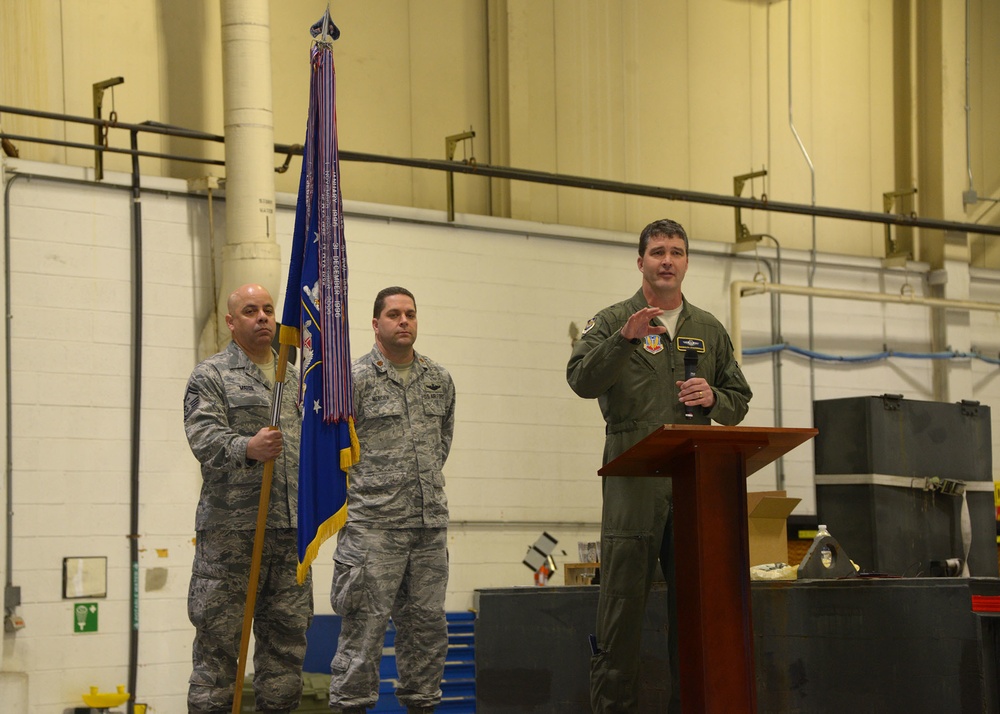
(690, 365)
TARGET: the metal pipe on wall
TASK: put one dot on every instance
(12, 593)
(740, 288)
(969, 197)
(135, 436)
(810, 275)
(779, 420)
(515, 174)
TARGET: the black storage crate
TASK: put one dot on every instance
(899, 530)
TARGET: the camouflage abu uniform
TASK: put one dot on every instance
(392, 557)
(635, 385)
(227, 401)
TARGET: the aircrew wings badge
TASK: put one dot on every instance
(691, 343)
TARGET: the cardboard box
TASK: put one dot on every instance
(768, 512)
(579, 573)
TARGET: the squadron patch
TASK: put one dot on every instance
(691, 343)
(590, 324)
(652, 344)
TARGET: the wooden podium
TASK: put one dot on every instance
(709, 466)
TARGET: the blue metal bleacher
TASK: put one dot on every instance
(458, 686)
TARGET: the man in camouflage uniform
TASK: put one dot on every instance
(227, 410)
(391, 557)
(629, 360)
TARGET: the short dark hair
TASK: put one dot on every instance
(665, 228)
(389, 292)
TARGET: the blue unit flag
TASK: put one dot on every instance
(315, 315)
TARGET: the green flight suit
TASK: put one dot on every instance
(635, 385)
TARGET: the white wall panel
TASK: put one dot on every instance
(495, 308)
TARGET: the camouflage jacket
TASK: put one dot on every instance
(228, 401)
(405, 435)
(635, 384)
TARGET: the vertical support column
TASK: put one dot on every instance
(251, 253)
(953, 378)
(940, 129)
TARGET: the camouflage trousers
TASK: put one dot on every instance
(381, 573)
(216, 601)
(636, 530)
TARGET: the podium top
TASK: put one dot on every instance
(758, 445)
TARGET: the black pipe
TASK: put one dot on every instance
(485, 170)
(112, 149)
(149, 126)
(11, 594)
(133, 549)
(670, 194)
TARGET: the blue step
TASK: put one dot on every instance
(458, 685)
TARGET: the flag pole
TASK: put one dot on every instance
(258, 539)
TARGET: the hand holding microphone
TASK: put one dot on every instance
(694, 390)
(690, 366)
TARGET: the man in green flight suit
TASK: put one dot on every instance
(631, 359)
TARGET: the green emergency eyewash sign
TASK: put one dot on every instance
(85, 617)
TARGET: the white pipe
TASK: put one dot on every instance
(739, 288)
(791, 122)
(812, 195)
(251, 253)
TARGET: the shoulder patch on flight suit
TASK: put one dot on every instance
(590, 325)
(652, 344)
(691, 343)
